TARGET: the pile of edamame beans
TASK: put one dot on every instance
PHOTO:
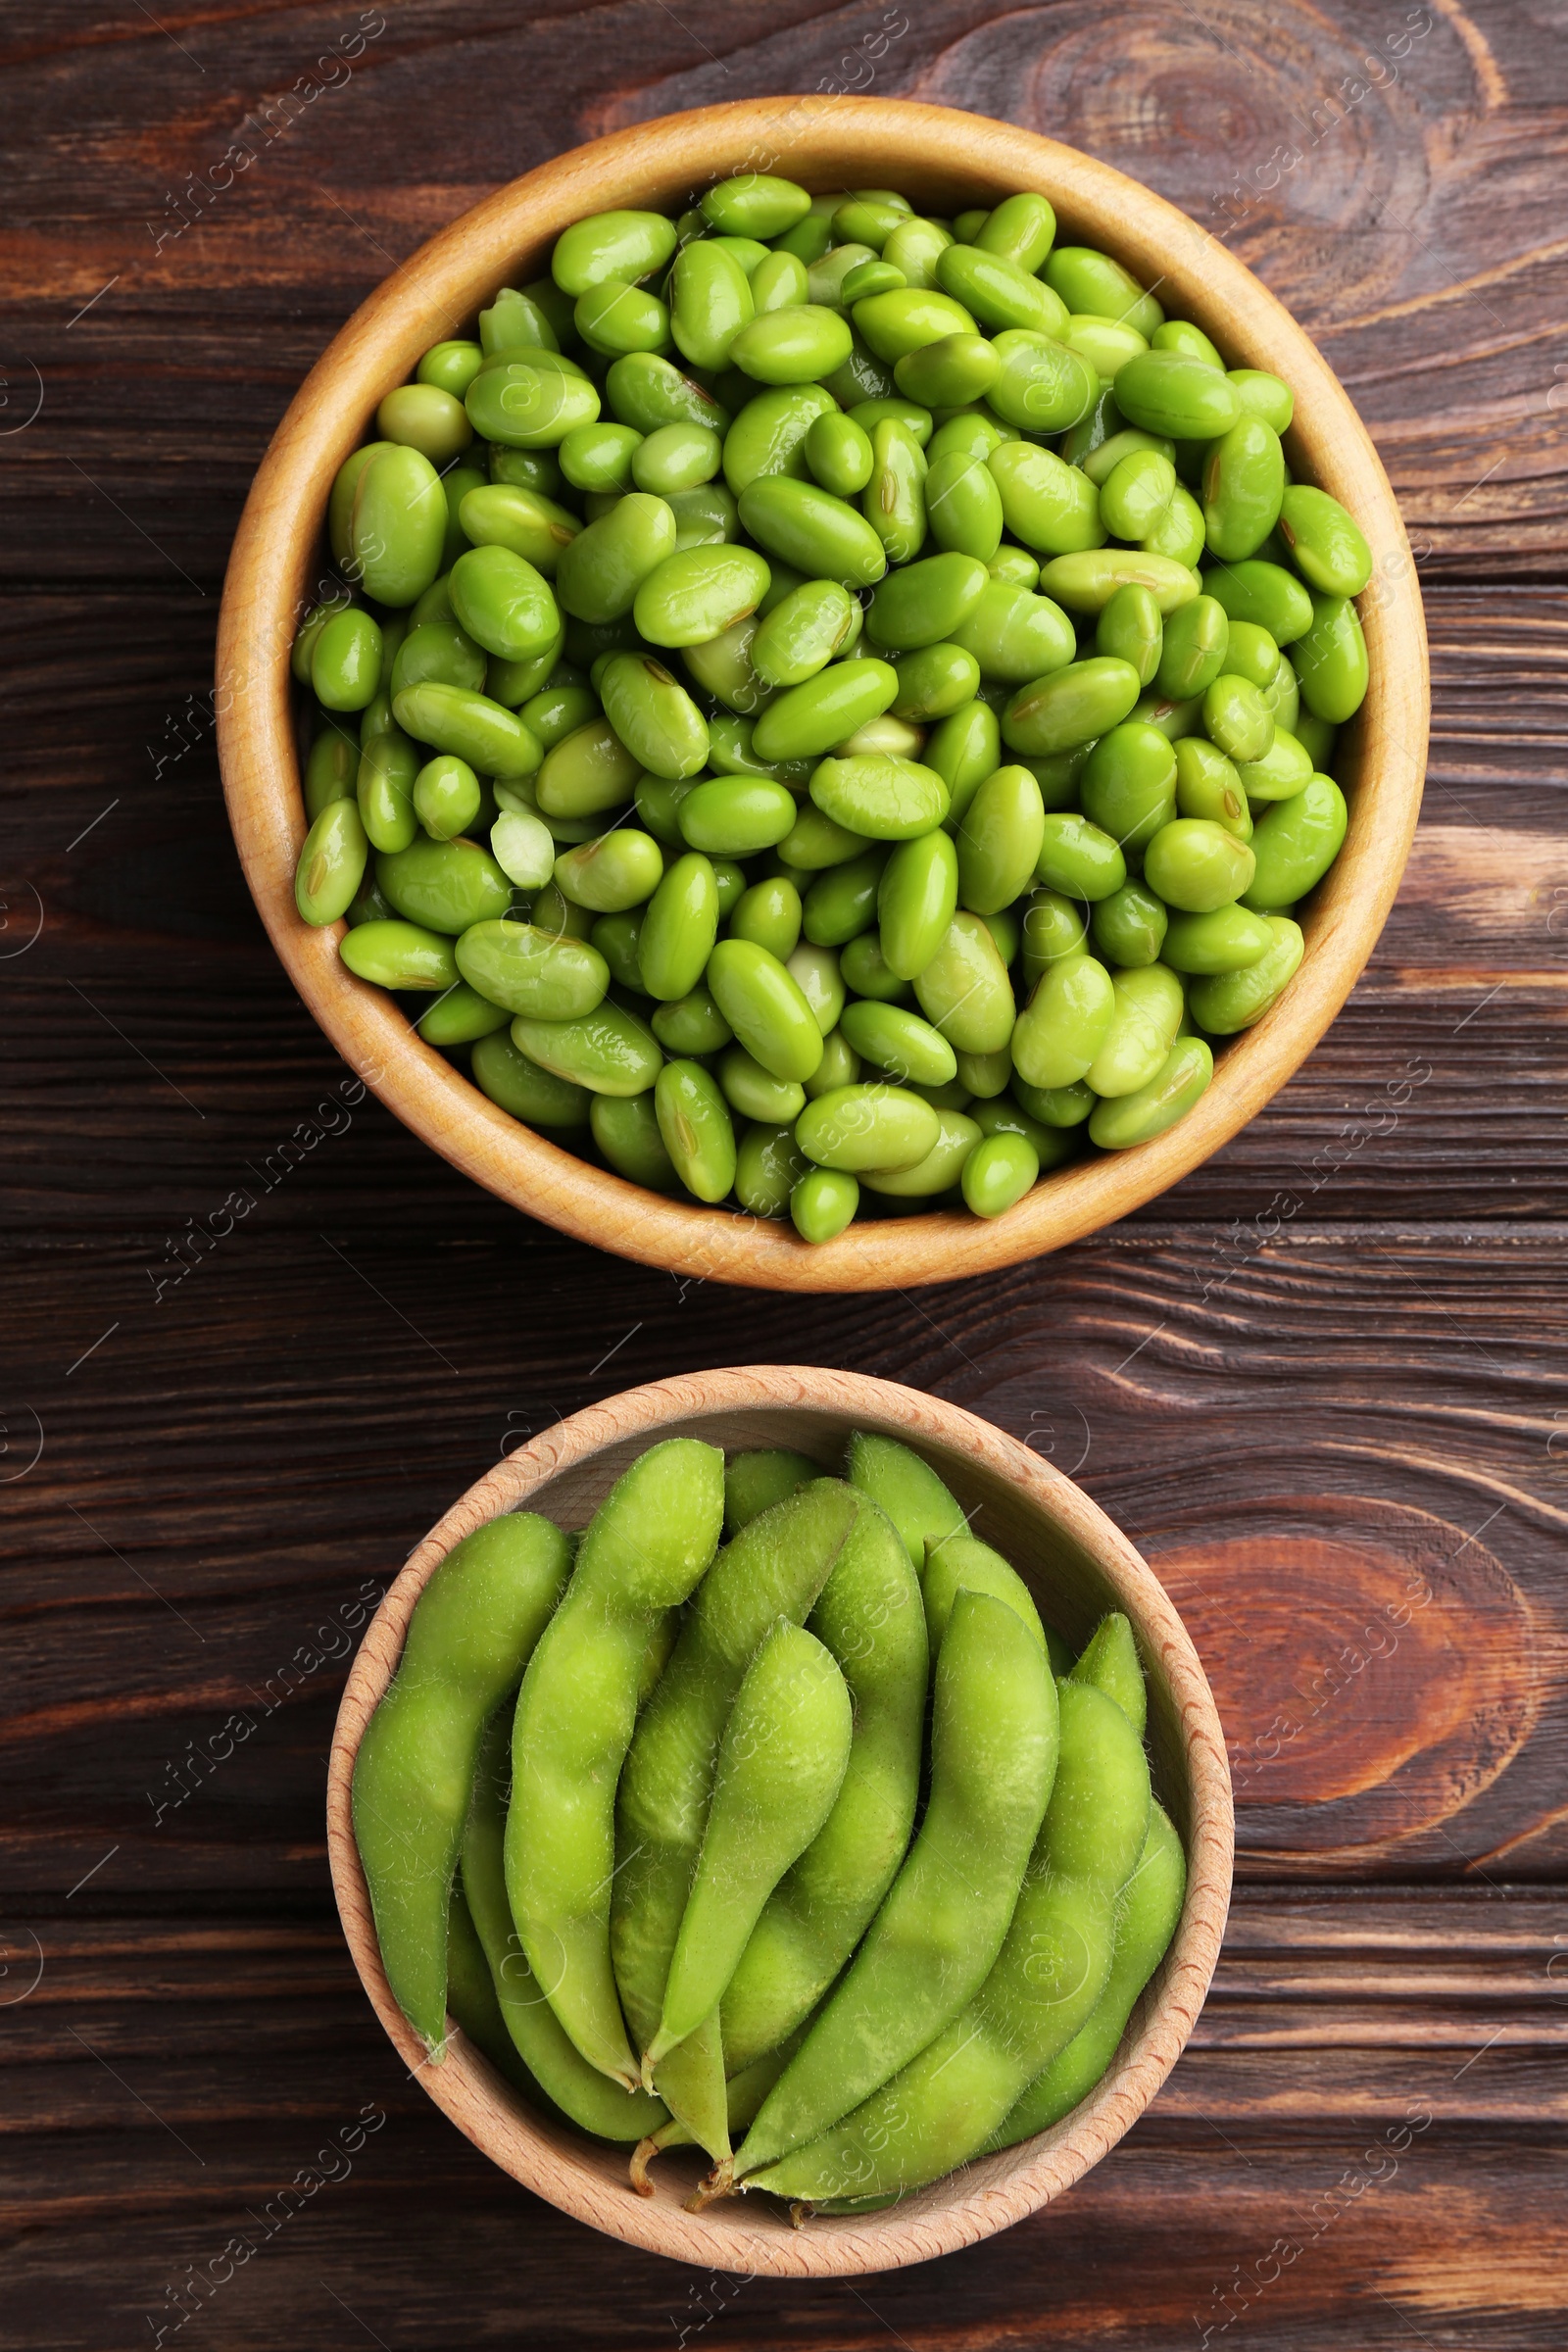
(832, 707)
(668, 1818)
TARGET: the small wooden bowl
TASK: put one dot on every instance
(1078, 1564)
(944, 158)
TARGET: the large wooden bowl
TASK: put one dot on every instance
(944, 158)
(1078, 1565)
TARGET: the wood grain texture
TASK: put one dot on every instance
(1342, 1336)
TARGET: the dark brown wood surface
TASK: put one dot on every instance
(257, 1336)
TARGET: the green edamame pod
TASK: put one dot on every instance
(1064, 1024)
(471, 2001)
(529, 2024)
(331, 864)
(517, 1085)
(1049, 1975)
(1294, 844)
(755, 1482)
(869, 1618)
(1147, 1912)
(994, 1741)
(907, 1490)
(1222, 1002)
(474, 1628)
(773, 1569)
(961, 1563)
(781, 1765)
(1137, 1118)
(643, 1553)
(1110, 1663)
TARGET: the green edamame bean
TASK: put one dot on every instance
(778, 282)
(645, 391)
(539, 314)
(1016, 566)
(618, 937)
(346, 661)
(445, 885)
(653, 714)
(757, 1094)
(723, 668)
(1252, 655)
(610, 1049)
(1294, 844)
(1086, 583)
(963, 750)
(998, 1172)
(1208, 785)
(1065, 1022)
(491, 739)
(1053, 927)
(1000, 840)
(1072, 706)
(340, 510)
(1223, 1003)
(460, 1016)
(736, 816)
(1128, 927)
(1015, 636)
(934, 682)
(615, 317)
(942, 1167)
(916, 897)
(838, 452)
(1325, 540)
(396, 954)
(1244, 484)
(963, 990)
(331, 864)
(803, 631)
(772, 1570)
(1146, 1913)
(925, 603)
(397, 526)
(815, 841)
(531, 400)
(815, 973)
(699, 592)
(913, 249)
(767, 1168)
(626, 245)
(880, 797)
(1078, 858)
(678, 457)
(1179, 532)
(1284, 771)
(781, 1764)
(693, 1024)
(901, 322)
(619, 869)
(1058, 1108)
(964, 504)
(1128, 787)
(1021, 229)
(426, 417)
(1051, 506)
(770, 434)
(1179, 334)
(838, 906)
(1137, 1118)
(1231, 939)
(1196, 866)
(599, 574)
(822, 1203)
(1135, 493)
(1264, 592)
(310, 630)
(452, 366)
(1284, 698)
(1182, 398)
(809, 719)
(1050, 1976)
(1130, 630)
(857, 1129)
(994, 1747)
(474, 1628)
(589, 770)
(679, 929)
(597, 458)
(796, 345)
(329, 770)
(1042, 387)
(908, 1047)
(989, 283)
(1145, 1019)
(626, 1130)
(698, 1134)
(514, 683)
(384, 790)
(504, 603)
(710, 302)
(557, 916)
(1263, 395)
(766, 1007)
(646, 1548)
(1088, 280)
(1196, 636)
(805, 526)
(1237, 719)
(1330, 660)
(948, 373)
(756, 205)
(437, 652)
(893, 501)
(530, 970)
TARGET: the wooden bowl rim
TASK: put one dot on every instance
(988, 2194)
(439, 288)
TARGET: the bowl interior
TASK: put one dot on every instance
(1078, 1566)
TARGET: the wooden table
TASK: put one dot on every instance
(259, 1337)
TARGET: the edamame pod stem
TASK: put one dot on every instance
(1146, 1913)
(869, 1616)
(553, 2061)
(643, 1551)
(1050, 1976)
(774, 1568)
(474, 1629)
(1110, 1662)
(937, 1935)
(780, 1768)
(908, 1488)
(743, 2094)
